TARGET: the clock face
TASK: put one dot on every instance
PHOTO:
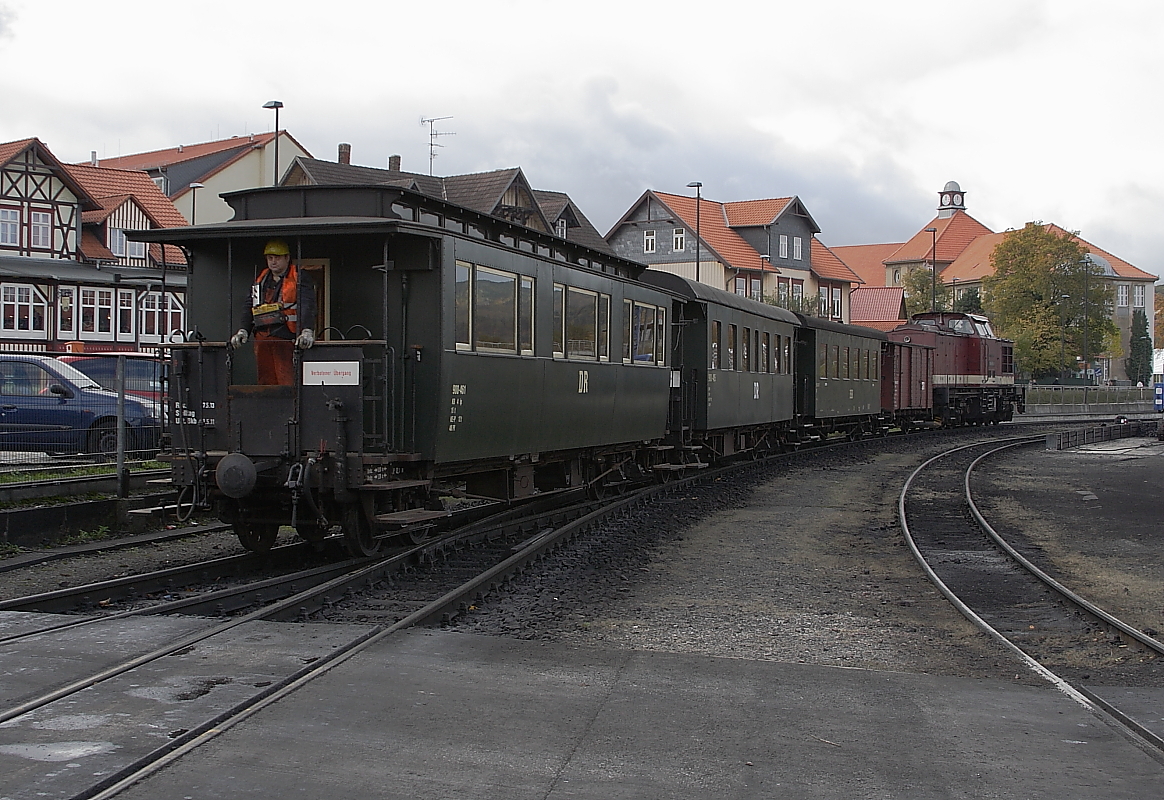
(945, 199)
(957, 199)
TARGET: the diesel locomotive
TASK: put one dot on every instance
(459, 352)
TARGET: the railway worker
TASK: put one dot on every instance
(278, 303)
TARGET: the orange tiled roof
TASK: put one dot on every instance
(826, 264)
(974, 262)
(867, 260)
(869, 304)
(954, 234)
(93, 249)
(725, 243)
(9, 150)
(880, 324)
(111, 186)
(185, 152)
(754, 212)
(1118, 265)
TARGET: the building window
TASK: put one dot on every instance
(896, 277)
(797, 249)
(162, 183)
(66, 311)
(757, 293)
(1138, 295)
(837, 302)
(117, 241)
(97, 311)
(22, 309)
(797, 290)
(1122, 295)
(648, 241)
(824, 302)
(9, 227)
(742, 287)
(783, 245)
(125, 313)
(160, 316)
(41, 230)
(678, 240)
(560, 228)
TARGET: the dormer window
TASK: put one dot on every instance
(560, 228)
(162, 183)
(121, 246)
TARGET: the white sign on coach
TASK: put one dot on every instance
(331, 373)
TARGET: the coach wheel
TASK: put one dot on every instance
(358, 533)
(258, 537)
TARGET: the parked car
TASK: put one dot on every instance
(49, 406)
(143, 372)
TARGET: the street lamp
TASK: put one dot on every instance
(698, 187)
(194, 187)
(275, 104)
(933, 232)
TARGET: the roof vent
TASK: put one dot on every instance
(92, 158)
(179, 148)
(345, 153)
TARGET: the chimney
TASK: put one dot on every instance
(92, 158)
(345, 153)
(394, 163)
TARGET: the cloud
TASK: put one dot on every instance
(7, 18)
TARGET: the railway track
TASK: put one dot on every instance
(1048, 627)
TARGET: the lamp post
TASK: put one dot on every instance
(275, 104)
(194, 187)
(933, 232)
(698, 187)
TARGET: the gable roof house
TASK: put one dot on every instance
(67, 271)
(504, 193)
(961, 247)
(757, 248)
(224, 165)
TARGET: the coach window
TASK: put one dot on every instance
(463, 316)
(731, 348)
(627, 341)
(716, 326)
(765, 353)
(604, 327)
(746, 351)
(495, 311)
(787, 355)
(525, 316)
(660, 336)
(644, 334)
(581, 323)
(822, 362)
(776, 365)
(836, 359)
(873, 365)
(845, 363)
(559, 319)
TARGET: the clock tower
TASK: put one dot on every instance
(951, 199)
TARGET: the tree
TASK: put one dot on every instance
(919, 286)
(970, 302)
(1050, 298)
(1139, 361)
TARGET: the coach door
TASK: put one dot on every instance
(318, 271)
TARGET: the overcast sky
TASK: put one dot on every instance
(1040, 110)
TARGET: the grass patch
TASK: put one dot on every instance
(8, 550)
(93, 470)
(85, 537)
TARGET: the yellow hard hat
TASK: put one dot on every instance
(276, 247)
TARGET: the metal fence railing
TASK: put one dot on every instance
(59, 415)
(1088, 399)
(1104, 433)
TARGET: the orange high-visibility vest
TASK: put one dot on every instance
(285, 310)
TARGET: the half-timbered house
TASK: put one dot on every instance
(68, 272)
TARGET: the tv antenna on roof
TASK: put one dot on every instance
(433, 133)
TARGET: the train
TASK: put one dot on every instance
(460, 354)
